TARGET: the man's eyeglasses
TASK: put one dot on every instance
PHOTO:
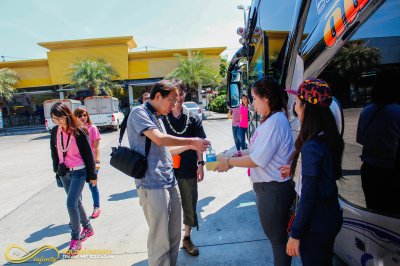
(82, 115)
(172, 100)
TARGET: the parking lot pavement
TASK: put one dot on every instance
(33, 211)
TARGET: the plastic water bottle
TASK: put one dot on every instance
(210, 155)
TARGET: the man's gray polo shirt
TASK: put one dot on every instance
(159, 172)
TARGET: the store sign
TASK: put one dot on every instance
(1, 119)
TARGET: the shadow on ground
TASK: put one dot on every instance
(124, 195)
(48, 231)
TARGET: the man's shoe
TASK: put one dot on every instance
(74, 247)
(96, 213)
(86, 232)
(189, 246)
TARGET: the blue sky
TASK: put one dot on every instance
(154, 23)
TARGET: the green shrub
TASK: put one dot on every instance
(219, 104)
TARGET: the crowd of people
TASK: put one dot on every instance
(288, 176)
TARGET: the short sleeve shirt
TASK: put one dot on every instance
(271, 147)
(188, 165)
(73, 157)
(159, 173)
(94, 135)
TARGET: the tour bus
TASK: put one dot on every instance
(291, 41)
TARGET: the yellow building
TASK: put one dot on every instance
(44, 79)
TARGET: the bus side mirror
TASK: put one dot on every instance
(233, 95)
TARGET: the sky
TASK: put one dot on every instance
(157, 24)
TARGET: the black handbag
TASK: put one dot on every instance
(129, 161)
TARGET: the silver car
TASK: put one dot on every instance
(194, 109)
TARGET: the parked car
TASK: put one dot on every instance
(104, 111)
(194, 109)
(48, 122)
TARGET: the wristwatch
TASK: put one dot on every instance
(201, 162)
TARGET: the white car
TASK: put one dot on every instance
(194, 109)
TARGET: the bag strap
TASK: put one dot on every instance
(123, 127)
(122, 132)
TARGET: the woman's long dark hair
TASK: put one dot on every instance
(73, 124)
(318, 119)
(270, 89)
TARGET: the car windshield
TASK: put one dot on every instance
(191, 105)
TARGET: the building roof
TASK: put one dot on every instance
(128, 40)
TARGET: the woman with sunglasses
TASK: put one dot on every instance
(94, 140)
(74, 163)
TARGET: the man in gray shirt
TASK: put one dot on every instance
(158, 192)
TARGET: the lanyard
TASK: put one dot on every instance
(64, 150)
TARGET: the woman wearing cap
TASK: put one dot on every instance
(94, 140)
(270, 147)
(316, 165)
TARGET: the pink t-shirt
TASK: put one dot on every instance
(235, 117)
(73, 157)
(94, 135)
(244, 116)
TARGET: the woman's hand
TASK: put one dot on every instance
(285, 171)
(97, 166)
(293, 247)
(223, 165)
(93, 182)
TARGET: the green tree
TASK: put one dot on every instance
(8, 80)
(195, 72)
(354, 59)
(94, 75)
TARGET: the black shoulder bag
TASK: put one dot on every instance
(129, 161)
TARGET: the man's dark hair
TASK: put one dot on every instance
(164, 87)
(181, 86)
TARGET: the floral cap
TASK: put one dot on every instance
(314, 91)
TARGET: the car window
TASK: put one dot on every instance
(191, 105)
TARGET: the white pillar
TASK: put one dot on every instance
(61, 92)
(130, 93)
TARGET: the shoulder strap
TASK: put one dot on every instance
(122, 132)
(123, 127)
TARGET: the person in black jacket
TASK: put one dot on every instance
(315, 165)
(74, 164)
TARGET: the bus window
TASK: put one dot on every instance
(374, 47)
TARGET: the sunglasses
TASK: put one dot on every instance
(82, 115)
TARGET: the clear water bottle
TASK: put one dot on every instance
(210, 155)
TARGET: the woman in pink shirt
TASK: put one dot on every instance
(73, 162)
(244, 121)
(94, 140)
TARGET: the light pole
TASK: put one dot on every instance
(244, 8)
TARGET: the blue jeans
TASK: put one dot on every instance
(236, 138)
(73, 183)
(242, 137)
(95, 193)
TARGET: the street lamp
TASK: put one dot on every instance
(244, 8)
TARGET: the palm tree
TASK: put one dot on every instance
(195, 72)
(8, 79)
(94, 75)
(354, 59)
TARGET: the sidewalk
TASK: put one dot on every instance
(210, 115)
(22, 130)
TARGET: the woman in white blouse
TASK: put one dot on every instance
(270, 147)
